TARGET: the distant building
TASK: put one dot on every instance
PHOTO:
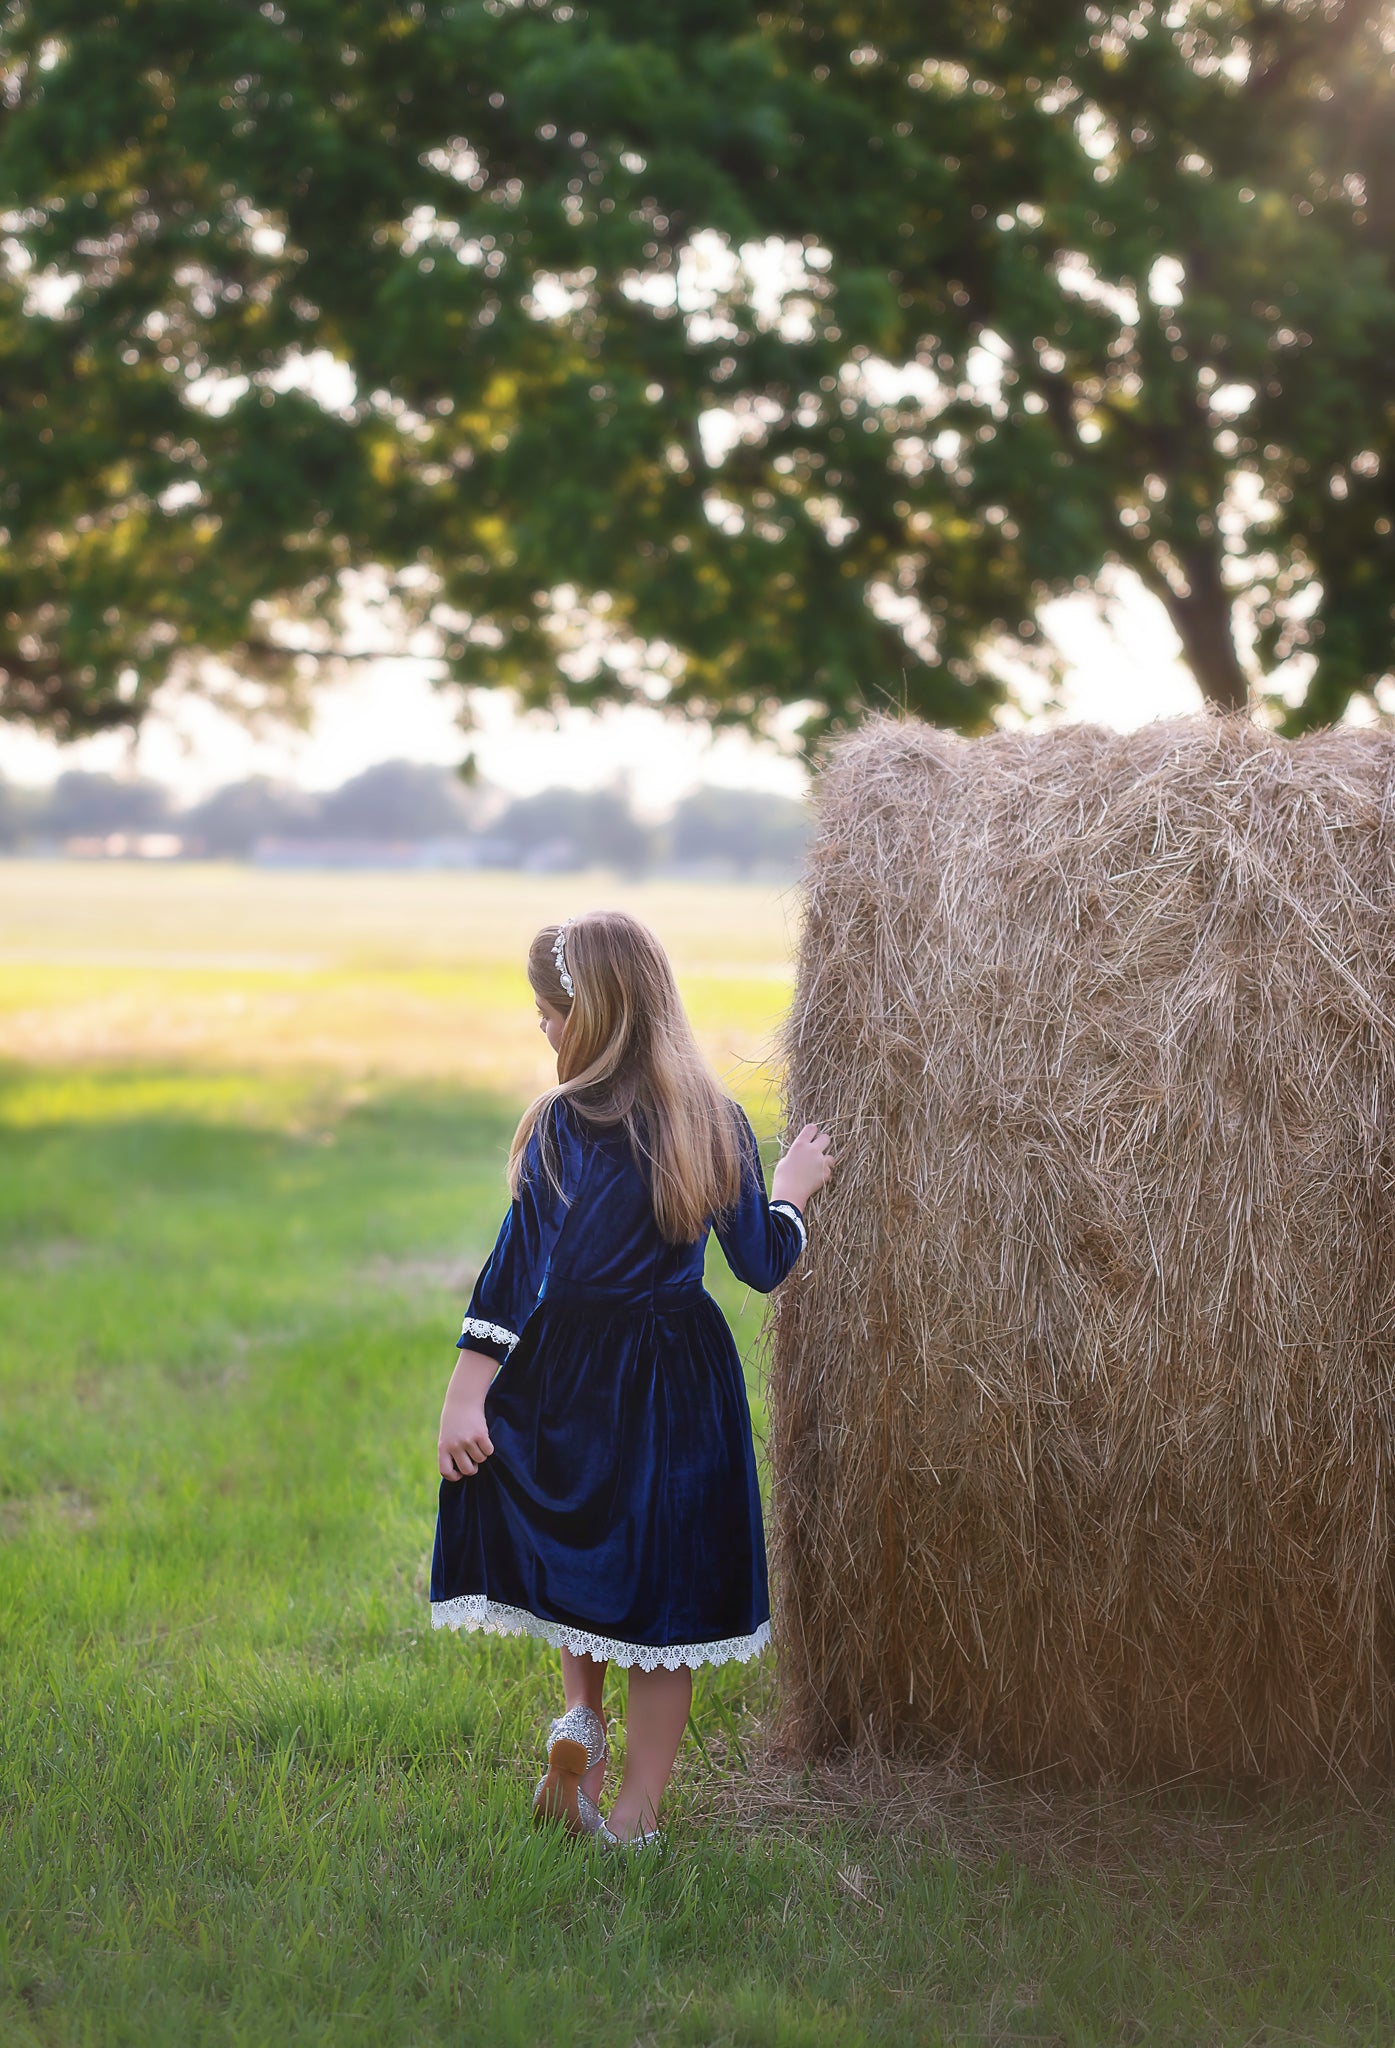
(373, 853)
(125, 846)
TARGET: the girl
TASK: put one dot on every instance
(600, 1492)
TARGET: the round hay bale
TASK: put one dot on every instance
(1082, 1402)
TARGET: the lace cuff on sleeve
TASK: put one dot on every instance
(475, 1333)
(789, 1209)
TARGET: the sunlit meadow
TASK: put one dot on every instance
(251, 1136)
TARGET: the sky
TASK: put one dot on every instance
(1123, 673)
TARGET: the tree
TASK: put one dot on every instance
(399, 800)
(575, 828)
(724, 359)
(744, 826)
(80, 803)
(232, 819)
(17, 809)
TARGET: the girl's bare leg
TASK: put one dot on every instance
(655, 1717)
(583, 1683)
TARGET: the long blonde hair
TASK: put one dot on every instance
(628, 1058)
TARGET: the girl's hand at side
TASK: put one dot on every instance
(464, 1442)
(804, 1168)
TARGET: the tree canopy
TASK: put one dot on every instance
(692, 354)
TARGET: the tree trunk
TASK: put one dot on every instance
(1204, 626)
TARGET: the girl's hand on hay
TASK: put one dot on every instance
(464, 1441)
(805, 1167)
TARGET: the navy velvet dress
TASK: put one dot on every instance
(619, 1514)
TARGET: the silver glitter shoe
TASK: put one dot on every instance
(575, 1741)
(584, 1725)
(550, 1804)
(647, 1838)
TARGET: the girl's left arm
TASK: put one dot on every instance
(504, 1296)
(463, 1442)
(506, 1292)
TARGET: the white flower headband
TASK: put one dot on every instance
(559, 954)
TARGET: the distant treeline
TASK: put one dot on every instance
(405, 805)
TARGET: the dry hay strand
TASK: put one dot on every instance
(1125, 1841)
(1082, 1399)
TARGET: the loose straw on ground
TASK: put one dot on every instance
(1082, 1404)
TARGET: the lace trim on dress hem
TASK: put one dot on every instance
(475, 1326)
(477, 1610)
(788, 1209)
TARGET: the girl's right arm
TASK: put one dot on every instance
(763, 1237)
(804, 1168)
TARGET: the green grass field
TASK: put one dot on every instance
(251, 1132)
